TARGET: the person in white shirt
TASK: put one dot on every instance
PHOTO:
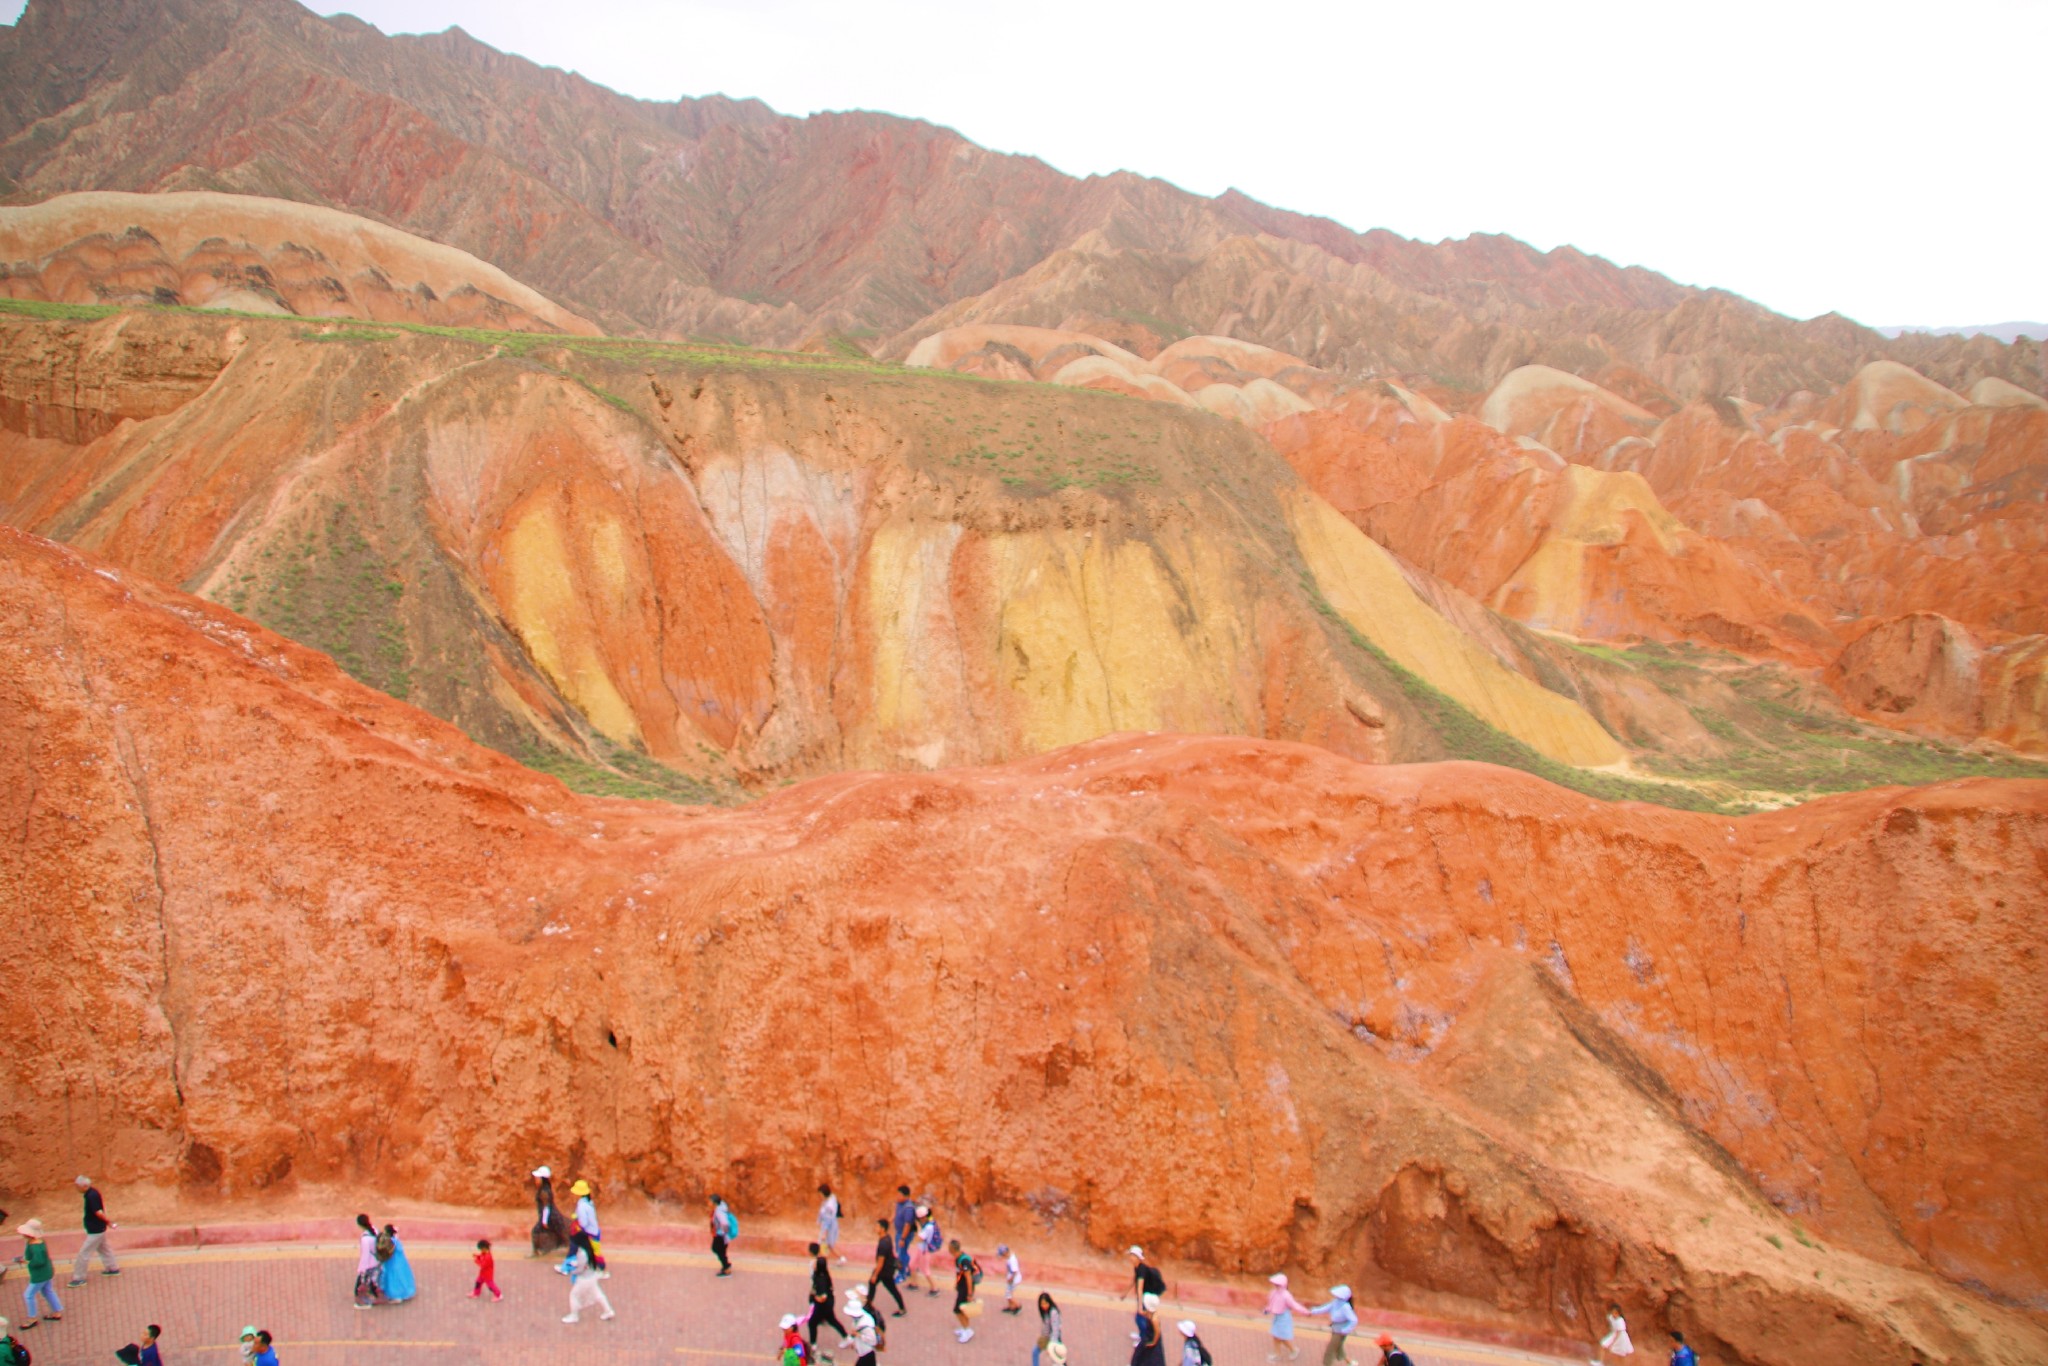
(1013, 1276)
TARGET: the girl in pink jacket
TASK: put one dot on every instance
(1282, 1305)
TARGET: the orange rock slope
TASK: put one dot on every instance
(1780, 532)
(1473, 1043)
(744, 566)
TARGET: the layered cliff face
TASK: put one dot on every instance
(1777, 533)
(1473, 1043)
(743, 566)
(253, 255)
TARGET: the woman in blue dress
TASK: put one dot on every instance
(397, 1282)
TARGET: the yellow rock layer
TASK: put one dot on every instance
(1550, 588)
(548, 612)
(1365, 585)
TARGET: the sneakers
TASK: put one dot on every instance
(69, 1285)
(111, 1271)
(495, 1298)
(570, 1318)
(963, 1334)
(606, 1316)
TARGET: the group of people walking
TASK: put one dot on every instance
(42, 1270)
(909, 1247)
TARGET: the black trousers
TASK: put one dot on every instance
(822, 1313)
(887, 1281)
(718, 1251)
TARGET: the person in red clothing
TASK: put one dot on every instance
(486, 1271)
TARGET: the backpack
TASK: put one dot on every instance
(17, 1355)
(1202, 1350)
(933, 1239)
(792, 1356)
(732, 1225)
(385, 1247)
(974, 1268)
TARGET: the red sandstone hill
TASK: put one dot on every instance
(1478, 1045)
(721, 218)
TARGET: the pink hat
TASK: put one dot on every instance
(32, 1229)
(1278, 1278)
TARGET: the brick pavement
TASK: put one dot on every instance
(671, 1309)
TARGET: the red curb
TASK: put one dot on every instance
(689, 1238)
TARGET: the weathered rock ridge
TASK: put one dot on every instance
(1474, 1043)
(256, 255)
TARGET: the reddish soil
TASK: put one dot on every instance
(1480, 1045)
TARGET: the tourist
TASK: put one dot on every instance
(1390, 1355)
(886, 1271)
(1145, 1277)
(142, 1353)
(585, 1278)
(1146, 1349)
(249, 1344)
(791, 1353)
(865, 1339)
(96, 1226)
(1193, 1351)
(903, 1226)
(963, 1293)
(1282, 1305)
(928, 1244)
(1013, 1276)
(724, 1228)
(1617, 1340)
(828, 1222)
(1048, 1328)
(369, 1281)
(42, 1275)
(486, 1271)
(860, 1293)
(586, 1219)
(1682, 1353)
(821, 1296)
(550, 1229)
(266, 1355)
(12, 1353)
(1343, 1318)
(395, 1280)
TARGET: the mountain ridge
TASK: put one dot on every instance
(719, 217)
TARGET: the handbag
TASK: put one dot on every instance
(972, 1309)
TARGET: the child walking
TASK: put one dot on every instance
(486, 1271)
(1013, 1276)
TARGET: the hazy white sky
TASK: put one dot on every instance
(1881, 159)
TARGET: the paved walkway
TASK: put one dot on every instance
(671, 1309)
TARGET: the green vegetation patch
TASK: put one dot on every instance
(327, 587)
(36, 308)
(1465, 736)
(622, 772)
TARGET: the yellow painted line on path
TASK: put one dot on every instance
(296, 1345)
